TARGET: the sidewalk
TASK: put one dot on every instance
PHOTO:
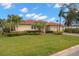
(72, 51)
(71, 34)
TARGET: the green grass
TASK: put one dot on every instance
(29, 45)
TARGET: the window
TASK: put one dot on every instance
(33, 27)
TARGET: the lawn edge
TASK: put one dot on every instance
(67, 51)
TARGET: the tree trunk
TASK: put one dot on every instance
(44, 30)
(60, 24)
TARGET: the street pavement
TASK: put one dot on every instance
(75, 53)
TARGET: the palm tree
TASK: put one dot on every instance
(67, 15)
(60, 15)
(14, 20)
(1, 25)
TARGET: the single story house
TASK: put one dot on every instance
(27, 26)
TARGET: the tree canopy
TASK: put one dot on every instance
(70, 14)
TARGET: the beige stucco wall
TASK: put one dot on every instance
(55, 28)
(24, 28)
(28, 27)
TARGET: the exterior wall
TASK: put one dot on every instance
(55, 28)
(74, 24)
(29, 28)
(72, 27)
(24, 28)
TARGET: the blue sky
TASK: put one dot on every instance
(35, 11)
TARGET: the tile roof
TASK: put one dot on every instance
(53, 23)
(29, 22)
(26, 22)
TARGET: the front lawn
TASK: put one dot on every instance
(35, 44)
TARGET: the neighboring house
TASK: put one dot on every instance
(74, 24)
(27, 26)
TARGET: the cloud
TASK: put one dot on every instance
(24, 10)
(52, 19)
(30, 15)
(20, 15)
(36, 16)
(57, 6)
(41, 17)
(6, 5)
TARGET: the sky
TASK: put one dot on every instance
(36, 11)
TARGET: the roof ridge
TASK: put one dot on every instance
(30, 21)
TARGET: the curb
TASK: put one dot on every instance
(67, 52)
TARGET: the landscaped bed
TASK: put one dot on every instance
(35, 44)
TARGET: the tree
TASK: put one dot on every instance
(1, 24)
(41, 26)
(69, 15)
(1, 21)
(7, 27)
(77, 17)
(60, 15)
(14, 20)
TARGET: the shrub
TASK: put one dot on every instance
(33, 32)
(58, 32)
(77, 30)
(19, 33)
(49, 31)
(6, 30)
(68, 30)
(14, 33)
